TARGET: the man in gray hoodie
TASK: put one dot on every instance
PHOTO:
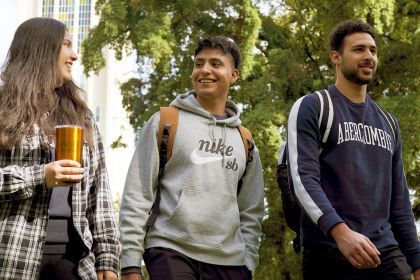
(207, 227)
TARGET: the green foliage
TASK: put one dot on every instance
(407, 108)
(285, 54)
(118, 143)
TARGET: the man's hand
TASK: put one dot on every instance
(62, 173)
(355, 247)
(107, 275)
(132, 276)
(416, 274)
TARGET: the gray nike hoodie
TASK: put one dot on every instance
(201, 214)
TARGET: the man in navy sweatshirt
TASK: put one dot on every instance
(358, 222)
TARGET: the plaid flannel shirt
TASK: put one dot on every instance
(24, 201)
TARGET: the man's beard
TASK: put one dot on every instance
(353, 76)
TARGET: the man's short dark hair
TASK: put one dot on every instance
(347, 28)
(222, 43)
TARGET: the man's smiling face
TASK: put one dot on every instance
(358, 59)
(213, 73)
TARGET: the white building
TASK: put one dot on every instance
(102, 90)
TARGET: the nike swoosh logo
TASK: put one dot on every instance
(197, 159)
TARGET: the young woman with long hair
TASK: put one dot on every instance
(56, 216)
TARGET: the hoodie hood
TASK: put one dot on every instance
(188, 102)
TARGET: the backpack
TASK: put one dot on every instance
(291, 208)
(167, 130)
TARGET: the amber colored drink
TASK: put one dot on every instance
(69, 142)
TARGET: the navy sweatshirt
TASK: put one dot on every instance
(357, 179)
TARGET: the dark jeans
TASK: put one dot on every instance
(168, 264)
(61, 266)
(328, 263)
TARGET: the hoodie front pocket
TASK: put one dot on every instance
(204, 218)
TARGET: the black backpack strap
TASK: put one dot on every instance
(291, 208)
(282, 154)
(389, 119)
(249, 150)
(155, 211)
(167, 130)
(326, 115)
(248, 142)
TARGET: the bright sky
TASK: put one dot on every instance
(8, 23)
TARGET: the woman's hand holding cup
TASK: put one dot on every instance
(63, 173)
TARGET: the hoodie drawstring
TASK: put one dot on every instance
(212, 127)
(224, 143)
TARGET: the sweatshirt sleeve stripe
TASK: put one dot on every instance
(303, 196)
(321, 107)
